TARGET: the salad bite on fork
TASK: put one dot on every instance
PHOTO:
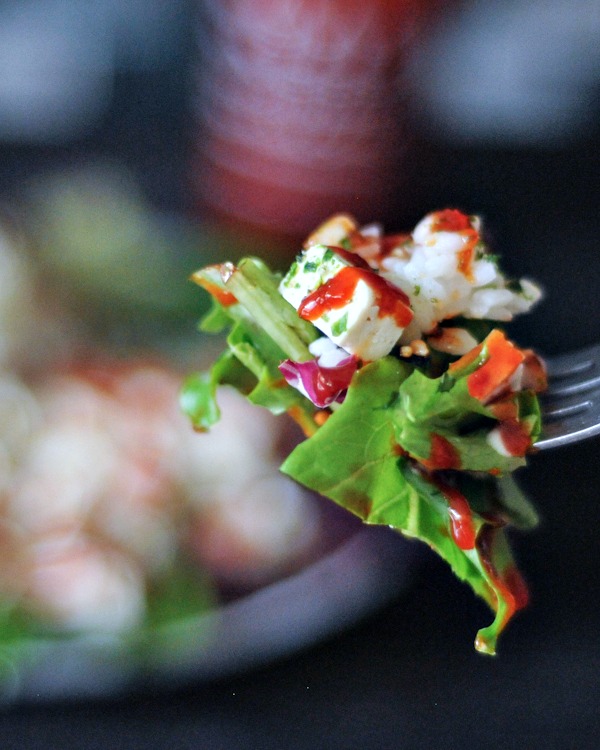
(390, 352)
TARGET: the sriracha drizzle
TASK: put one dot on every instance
(443, 454)
(338, 291)
(509, 582)
(462, 525)
(452, 220)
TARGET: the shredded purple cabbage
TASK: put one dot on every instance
(322, 385)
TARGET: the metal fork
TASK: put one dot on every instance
(571, 405)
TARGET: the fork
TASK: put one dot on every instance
(571, 405)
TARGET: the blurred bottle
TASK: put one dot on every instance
(301, 112)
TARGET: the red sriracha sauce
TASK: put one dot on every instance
(224, 271)
(503, 358)
(515, 437)
(222, 296)
(339, 290)
(461, 518)
(443, 454)
(509, 583)
(452, 220)
(462, 526)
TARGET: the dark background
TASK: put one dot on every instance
(407, 676)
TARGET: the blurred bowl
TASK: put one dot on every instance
(371, 567)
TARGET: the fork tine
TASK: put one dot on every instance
(574, 372)
(571, 406)
(569, 418)
(566, 407)
(582, 423)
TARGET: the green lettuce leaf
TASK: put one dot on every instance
(443, 407)
(263, 331)
(355, 460)
(373, 453)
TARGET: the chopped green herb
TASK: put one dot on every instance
(340, 325)
(292, 271)
(491, 257)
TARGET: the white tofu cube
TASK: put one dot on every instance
(363, 323)
(316, 265)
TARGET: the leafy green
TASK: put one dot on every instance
(373, 455)
(354, 460)
(257, 344)
(444, 407)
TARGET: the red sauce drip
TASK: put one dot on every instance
(461, 518)
(443, 454)
(515, 437)
(375, 248)
(535, 376)
(393, 242)
(503, 359)
(338, 292)
(466, 254)
(398, 450)
(505, 409)
(462, 526)
(508, 582)
(515, 583)
(222, 296)
(452, 220)
(351, 256)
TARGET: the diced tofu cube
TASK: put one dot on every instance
(362, 323)
(358, 328)
(316, 265)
